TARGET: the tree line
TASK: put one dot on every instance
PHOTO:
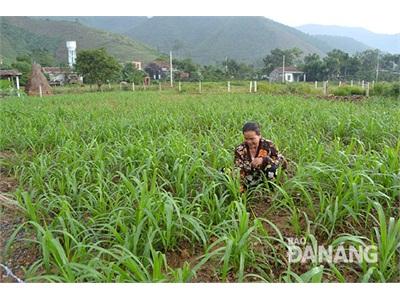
(337, 65)
(99, 67)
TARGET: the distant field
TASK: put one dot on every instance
(128, 187)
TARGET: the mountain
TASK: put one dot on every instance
(385, 42)
(343, 43)
(210, 39)
(21, 35)
(206, 40)
(116, 24)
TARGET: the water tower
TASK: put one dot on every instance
(71, 46)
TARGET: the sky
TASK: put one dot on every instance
(381, 16)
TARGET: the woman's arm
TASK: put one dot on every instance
(240, 160)
(269, 153)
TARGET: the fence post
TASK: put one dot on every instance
(351, 82)
(180, 86)
(17, 82)
(200, 87)
(367, 91)
(316, 84)
(255, 86)
(159, 86)
(40, 91)
(251, 86)
(325, 88)
(133, 86)
(363, 84)
(340, 83)
(229, 86)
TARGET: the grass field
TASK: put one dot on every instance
(128, 187)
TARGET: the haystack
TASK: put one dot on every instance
(36, 82)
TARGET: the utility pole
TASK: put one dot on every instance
(283, 69)
(170, 68)
(377, 69)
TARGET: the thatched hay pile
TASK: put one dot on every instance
(36, 81)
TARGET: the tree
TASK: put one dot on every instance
(185, 65)
(314, 67)
(97, 66)
(188, 66)
(247, 71)
(130, 74)
(24, 65)
(368, 61)
(43, 57)
(275, 58)
(212, 73)
(231, 68)
(389, 67)
(353, 66)
(339, 65)
(236, 70)
(336, 64)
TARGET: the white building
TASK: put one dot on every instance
(292, 74)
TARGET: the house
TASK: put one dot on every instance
(10, 75)
(56, 75)
(183, 75)
(61, 76)
(292, 74)
(157, 69)
(164, 65)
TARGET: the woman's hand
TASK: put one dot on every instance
(255, 163)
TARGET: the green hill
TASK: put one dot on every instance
(116, 24)
(343, 43)
(384, 42)
(211, 39)
(204, 39)
(21, 35)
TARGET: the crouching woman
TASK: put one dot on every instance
(257, 158)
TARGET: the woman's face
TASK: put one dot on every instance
(251, 138)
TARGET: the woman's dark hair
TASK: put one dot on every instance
(251, 126)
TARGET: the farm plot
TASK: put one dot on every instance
(139, 187)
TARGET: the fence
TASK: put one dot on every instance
(339, 88)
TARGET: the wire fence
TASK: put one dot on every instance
(10, 273)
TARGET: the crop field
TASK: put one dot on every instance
(140, 187)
